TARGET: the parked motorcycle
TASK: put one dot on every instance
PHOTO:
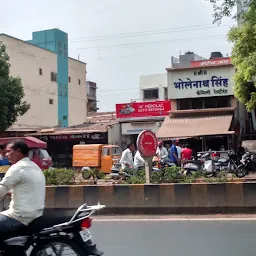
(55, 238)
(204, 164)
(162, 164)
(248, 164)
(227, 164)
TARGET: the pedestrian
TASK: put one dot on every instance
(139, 161)
(186, 153)
(173, 153)
(161, 151)
(127, 157)
(179, 149)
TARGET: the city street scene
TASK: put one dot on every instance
(128, 127)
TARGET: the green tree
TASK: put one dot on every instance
(243, 54)
(11, 93)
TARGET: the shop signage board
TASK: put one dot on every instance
(211, 63)
(216, 82)
(92, 136)
(147, 145)
(143, 109)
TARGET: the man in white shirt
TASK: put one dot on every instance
(27, 182)
(179, 149)
(127, 157)
(161, 151)
(138, 160)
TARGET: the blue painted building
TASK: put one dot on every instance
(56, 41)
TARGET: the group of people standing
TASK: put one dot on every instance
(176, 154)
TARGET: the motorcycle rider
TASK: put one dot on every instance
(27, 182)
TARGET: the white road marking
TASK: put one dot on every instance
(175, 219)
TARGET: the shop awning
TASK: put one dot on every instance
(181, 127)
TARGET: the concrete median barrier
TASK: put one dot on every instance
(157, 199)
(192, 198)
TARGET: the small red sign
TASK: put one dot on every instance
(147, 143)
(211, 62)
(143, 109)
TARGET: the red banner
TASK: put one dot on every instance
(143, 109)
(211, 62)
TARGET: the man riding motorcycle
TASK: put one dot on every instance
(27, 183)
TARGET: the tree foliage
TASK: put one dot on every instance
(11, 93)
(228, 8)
(243, 54)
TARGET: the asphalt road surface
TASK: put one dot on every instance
(171, 238)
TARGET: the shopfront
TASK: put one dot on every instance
(204, 109)
(135, 117)
(60, 144)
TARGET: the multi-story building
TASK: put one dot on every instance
(54, 84)
(91, 89)
(153, 87)
(202, 101)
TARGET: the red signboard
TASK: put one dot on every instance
(147, 143)
(143, 109)
(211, 62)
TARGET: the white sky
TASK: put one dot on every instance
(118, 38)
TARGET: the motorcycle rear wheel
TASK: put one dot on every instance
(241, 171)
(58, 247)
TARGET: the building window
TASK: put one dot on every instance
(53, 76)
(60, 49)
(151, 94)
(203, 103)
(60, 90)
(40, 72)
(79, 81)
(66, 91)
(69, 79)
(223, 102)
(195, 73)
(183, 104)
(197, 103)
(205, 72)
(65, 51)
(165, 93)
(51, 101)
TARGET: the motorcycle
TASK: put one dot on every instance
(204, 164)
(227, 164)
(50, 237)
(248, 164)
(162, 164)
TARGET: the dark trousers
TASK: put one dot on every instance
(8, 226)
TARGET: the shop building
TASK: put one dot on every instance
(99, 128)
(203, 103)
(135, 117)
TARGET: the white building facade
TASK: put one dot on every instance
(55, 89)
(153, 87)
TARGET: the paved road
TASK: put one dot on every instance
(193, 238)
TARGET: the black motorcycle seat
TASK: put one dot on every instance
(37, 225)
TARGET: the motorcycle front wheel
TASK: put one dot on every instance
(58, 247)
(241, 171)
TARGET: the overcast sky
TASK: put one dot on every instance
(121, 39)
